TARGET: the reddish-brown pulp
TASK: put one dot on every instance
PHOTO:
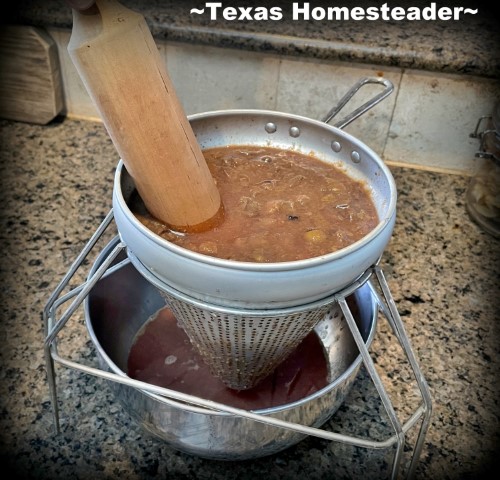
(280, 205)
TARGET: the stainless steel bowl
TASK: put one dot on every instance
(122, 302)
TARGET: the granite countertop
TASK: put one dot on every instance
(441, 268)
(468, 45)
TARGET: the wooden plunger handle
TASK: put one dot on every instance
(119, 63)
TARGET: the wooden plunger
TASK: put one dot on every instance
(119, 63)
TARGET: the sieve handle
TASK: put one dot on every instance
(388, 89)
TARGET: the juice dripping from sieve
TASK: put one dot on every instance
(162, 355)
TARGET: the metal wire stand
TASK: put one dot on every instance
(373, 277)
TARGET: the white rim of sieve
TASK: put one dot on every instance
(271, 266)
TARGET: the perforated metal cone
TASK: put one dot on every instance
(241, 347)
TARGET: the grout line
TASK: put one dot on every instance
(278, 81)
(426, 168)
(88, 118)
(398, 88)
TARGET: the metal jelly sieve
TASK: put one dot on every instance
(243, 317)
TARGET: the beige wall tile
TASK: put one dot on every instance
(208, 78)
(434, 116)
(425, 123)
(312, 88)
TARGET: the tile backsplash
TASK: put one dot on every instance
(425, 123)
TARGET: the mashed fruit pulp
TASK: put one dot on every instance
(279, 205)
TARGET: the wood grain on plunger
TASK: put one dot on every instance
(118, 60)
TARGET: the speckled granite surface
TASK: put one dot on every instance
(469, 45)
(441, 268)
